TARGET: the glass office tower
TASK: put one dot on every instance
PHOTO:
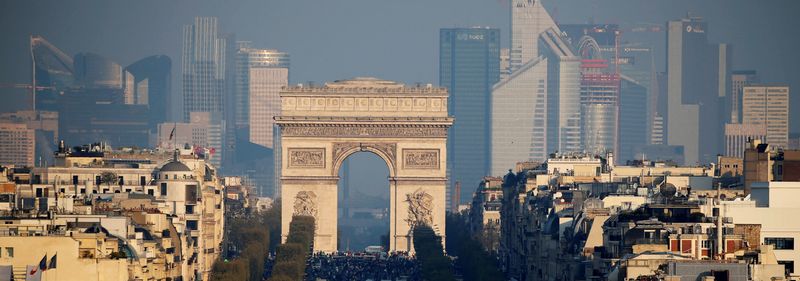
(469, 65)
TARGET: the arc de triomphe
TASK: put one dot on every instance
(405, 126)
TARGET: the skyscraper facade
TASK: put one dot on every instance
(519, 117)
(599, 108)
(564, 99)
(469, 65)
(16, 144)
(633, 131)
(529, 19)
(261, 74)
(203, 67)
(152, 79)
(738, 137)
(768, 106)
(536, 108)
(697, 74)
(739, 79)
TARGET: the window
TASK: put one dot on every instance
(75, 180)
(151, 192)
(780, 243)
(190, 209)
(97, 180)
(9, 252)
(163, 189)
(142, 180)
(121, 180)
(191, 224)
(707, 244)
(788, 266)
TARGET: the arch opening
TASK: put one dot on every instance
(364, 200)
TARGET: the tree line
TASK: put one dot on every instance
(251, 237)
(473, 261)
(434, 265)
(291, 257)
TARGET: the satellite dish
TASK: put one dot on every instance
(668, 190)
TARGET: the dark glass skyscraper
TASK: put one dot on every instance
(697, 83)
(152, 78)
(469, 65)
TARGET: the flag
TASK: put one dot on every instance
(43, 263)
(53, 262)
(171, 134)
(33, 273)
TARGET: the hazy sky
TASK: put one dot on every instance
(398, 40)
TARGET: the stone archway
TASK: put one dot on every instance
(404, 126)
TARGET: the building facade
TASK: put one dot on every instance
(738, 137)
(261, 73)
(739, 79)
(768, 106)
(203, 67)
(469, 65)
(17, 143)
(697, 74)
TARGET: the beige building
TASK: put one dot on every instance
(773, 205)
(165, 217)
(17, 144)
(768, 106)
(737, 137)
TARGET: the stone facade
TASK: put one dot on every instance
(404, 126)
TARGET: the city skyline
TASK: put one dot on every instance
(742, 35)
(474, 140)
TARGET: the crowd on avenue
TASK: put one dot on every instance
(362, 266)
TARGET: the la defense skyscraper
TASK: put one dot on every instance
(536, 108)
(697, 87)
(203, 68)
(469, 65)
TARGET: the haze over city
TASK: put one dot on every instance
(399, 140)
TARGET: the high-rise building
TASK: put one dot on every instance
(739, 79)
(529, 19)
(633, 105)
(16, 144)
(469, 65)
(45, 126)
(95, 71)
(768, 106)
(563, 93)
(738, 137)
(261, 74)
(697, 74)
(519, 117)
(204, 71)
(151, 85)
(536, 109)
(599, 109)
(52, 71)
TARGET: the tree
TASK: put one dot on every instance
(108, 178)
(430, 254)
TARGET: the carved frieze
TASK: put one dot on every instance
(364, 104)
(306, 158)
(305, 204)
(421, 159)
(363, 131)
(420, 208)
